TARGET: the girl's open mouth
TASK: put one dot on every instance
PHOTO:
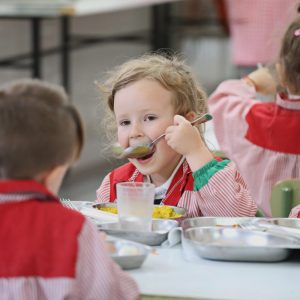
(146, 156)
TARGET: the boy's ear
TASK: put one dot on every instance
(53, 178)
(190, 116)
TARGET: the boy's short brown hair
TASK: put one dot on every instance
(39, 129)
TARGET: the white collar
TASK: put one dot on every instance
(160, 191)
(291, 96)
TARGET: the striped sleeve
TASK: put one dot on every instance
(203, 175)
(229, 105)
(226, 194)
(97, 276)
(103, 192)
(295, 212)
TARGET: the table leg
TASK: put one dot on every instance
(36, 47)
(65, 52)
(161, 35)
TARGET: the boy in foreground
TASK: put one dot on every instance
(47, 251)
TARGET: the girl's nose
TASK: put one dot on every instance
(136, 130)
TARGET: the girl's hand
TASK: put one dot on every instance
(183, 137)
(263, 81)
(186, 140)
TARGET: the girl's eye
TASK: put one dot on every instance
(150, 118)
(124, 123)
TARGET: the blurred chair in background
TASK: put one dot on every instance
(284, 196)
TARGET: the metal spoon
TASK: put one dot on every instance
(141, 150)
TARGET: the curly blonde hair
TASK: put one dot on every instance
(171, 72)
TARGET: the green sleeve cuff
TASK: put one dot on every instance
(202, 176)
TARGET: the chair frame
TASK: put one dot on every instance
(284, 196)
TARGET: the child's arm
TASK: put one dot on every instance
(229, 105)
(262, 80)
(222, 191)
(185, 139)
(97, 276)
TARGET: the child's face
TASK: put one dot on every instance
(144, 110)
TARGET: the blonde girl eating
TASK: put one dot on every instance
(152, 95)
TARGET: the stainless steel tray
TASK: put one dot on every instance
(221, 238)
(127, 254)
(235, 222)
(232, 244)
(214, 221)
(159, 233)
(287, 222)
(178, 210)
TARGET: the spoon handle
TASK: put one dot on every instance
(202, 119)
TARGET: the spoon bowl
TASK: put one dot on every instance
(146, 148)
(136, 151)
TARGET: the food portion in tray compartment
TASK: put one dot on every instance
(110, 209)
(159, 211)
(165, 212)
(229, 226)
(128, 254)
(125, 250)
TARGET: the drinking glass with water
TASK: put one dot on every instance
(135, 205)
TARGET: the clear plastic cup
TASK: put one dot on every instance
(135, 205)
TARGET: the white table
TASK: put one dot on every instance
(36, 11)
(169, 274)
(53, 8)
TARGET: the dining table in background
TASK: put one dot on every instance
(36, 11)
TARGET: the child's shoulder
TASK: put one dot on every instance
(124, 172)
(128, 167)
(59, 213)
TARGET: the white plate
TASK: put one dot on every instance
(97, 216)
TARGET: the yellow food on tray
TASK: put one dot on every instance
(164, 212)
(112, 210)
(159, 212)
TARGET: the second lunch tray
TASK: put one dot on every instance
(224, 239)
